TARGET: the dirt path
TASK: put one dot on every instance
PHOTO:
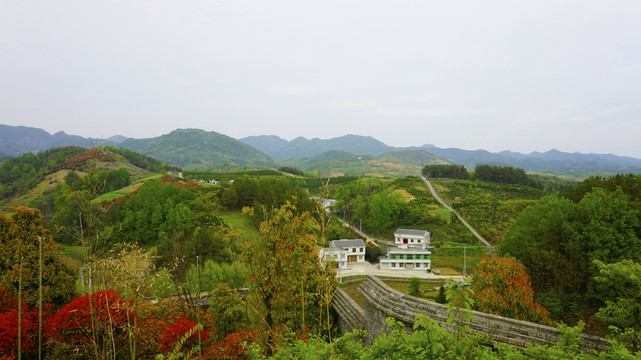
(446, 205)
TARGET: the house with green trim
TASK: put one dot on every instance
(411, 251)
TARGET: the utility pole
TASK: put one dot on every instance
(464, 259)
(40, 297)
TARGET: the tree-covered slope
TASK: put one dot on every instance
(391, 164)
(27, 178)
(193, 148)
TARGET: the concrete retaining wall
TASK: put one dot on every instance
(350, 315)
(382, 302)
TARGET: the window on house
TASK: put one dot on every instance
(353, 249)
(409, 256)
(412, 241)
(360, 249)
(393, 264)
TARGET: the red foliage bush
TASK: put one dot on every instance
(72, 325)
(168, 322)
(9, 325)
(9, 331)
(181, 326)
(502, 286)
(234, 346)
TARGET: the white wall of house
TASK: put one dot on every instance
(405, 239)
(343, 255)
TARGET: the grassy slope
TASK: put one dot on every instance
(341, 163)
(240, 226)
(489, 207)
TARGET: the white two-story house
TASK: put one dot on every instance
(411, 251)
(344, 251)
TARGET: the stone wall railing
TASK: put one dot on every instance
(350, 315)
(382, 302)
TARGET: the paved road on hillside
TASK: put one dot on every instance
(446, 205)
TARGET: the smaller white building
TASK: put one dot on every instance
(344, 251)
(327, 203)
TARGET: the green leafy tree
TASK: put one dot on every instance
(440, 298)
(20, 235)
(446, 171)
(505, 174)
(414, 286)
(558, 240)
(386, 209)
(623, 311)
(228, 309)
(460, 302)
(284, 274)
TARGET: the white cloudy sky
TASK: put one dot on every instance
(496, 75)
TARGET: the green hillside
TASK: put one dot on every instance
(198, 149)
(343, 163)
(489, 207)
(32, 179)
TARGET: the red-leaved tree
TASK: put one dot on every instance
(28, 327)
(502, 287)
(179, 328)
(234, 347)
(91, 326)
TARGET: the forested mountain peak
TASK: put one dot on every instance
(194, 148)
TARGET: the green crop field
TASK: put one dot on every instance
(112, 195)
(240, 225)
(489, 207)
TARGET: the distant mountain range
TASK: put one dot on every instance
(16, 140)
(280, 149)
(199, 149)
(552, 161)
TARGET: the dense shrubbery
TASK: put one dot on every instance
(490, 208)
(20, 238)
(446, 171)
(142, 161)
(502, 287)
(382, 205)
(23, 172)
(557, 241)
(291, 170)
(505, 175)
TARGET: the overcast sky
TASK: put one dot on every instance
(494, 75)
